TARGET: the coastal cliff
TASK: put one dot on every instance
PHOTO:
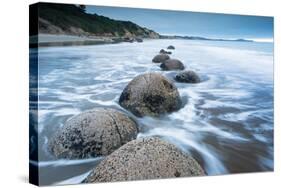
(67, 19)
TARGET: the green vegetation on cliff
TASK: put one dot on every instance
(72, 19)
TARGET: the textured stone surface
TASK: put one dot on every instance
(171, 47)
(160, 58)
(187, 77)
(150, 94)
(172, 64)
(162, 51)
(145, 158)
(96, 132)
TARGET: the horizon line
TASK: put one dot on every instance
(261, 39)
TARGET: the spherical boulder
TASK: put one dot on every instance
(145, 158)
(171, 47)
(172, 64)
(162, 51)
(160, 58)
(96, 132)
(150, 94)
(187, 77)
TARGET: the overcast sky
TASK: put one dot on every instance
(192, 23)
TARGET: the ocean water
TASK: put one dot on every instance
(226, 123)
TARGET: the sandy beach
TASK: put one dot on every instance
(67, 40)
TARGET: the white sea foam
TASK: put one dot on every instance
(264, 114)
(104, 103)
(73, 180)
(217, 104)
(182, 139)
(64, 162)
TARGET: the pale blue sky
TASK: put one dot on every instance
(192, 23)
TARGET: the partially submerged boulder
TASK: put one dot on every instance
(150, 94)
(96, 132)
(145, 158)
(162, 51)
(138, 39)
(172, 64)
(171, 47)
(160, 58)
(187, 77)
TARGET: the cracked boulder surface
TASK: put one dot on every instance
(150, 94)
(145, 158)
(97, 132)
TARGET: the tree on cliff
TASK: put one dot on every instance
(82, 7)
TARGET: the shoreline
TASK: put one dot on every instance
(51, 40)
(48, 40)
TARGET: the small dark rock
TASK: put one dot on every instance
(171, 47)
(187, 77)
(172, 64)
(162, 51)
(139, 40)
(160, 58)
(128, 39)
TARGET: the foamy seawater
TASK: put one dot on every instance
(226, 123)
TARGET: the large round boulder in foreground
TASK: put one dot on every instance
(172, 64)
(93, 133)
(160, 58)
(150, 94)
(145, 158)
(187, 77)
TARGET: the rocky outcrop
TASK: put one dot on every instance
(96, 132)
(46, 27)
(187, 77)
(145, 158)
(172, 64)
(160, 58)
(150, 94)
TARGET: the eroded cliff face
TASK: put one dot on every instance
(71, 20)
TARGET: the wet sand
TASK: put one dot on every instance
(45, 40)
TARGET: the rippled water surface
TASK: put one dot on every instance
(226, 124)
